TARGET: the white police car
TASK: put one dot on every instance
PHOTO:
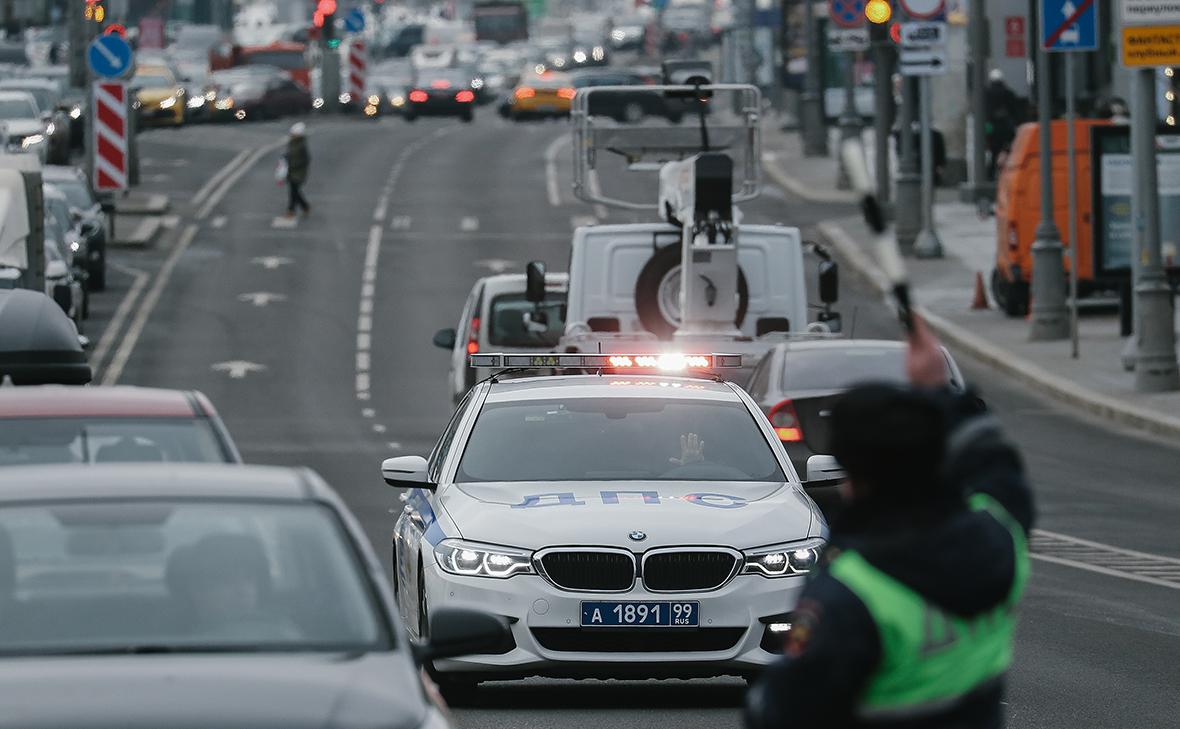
(627, 524)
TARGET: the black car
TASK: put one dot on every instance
(87, 215)
(627, 106)
(184, 595)
(796, 383)
(440, 92)
(242, 95)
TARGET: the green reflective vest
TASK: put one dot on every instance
(930, 659)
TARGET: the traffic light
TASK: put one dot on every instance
(94, 11)
(878, 12)
(325, 20)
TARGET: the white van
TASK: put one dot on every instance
(499, 317)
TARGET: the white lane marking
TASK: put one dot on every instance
(261, 298)
(368, 412)
(495, 265)
(379, 212)
(400, 222)
(229, 180)
(362, 385)
(469, 224)
(552, 188)
(270, 263)
(158, 178)
(363, 342)
(394, 445)
(121, 312)
(378, 428)
(170, 222)
(362, 361)
(366, 306)
(218, 176)
(1105, 559)
(367, 290)
(579, 221)
(111, 376)
(284, 221)
(238, 369)
(218, 222)
(364, 323)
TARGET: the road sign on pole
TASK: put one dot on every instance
(110, 131)
(848, 39)
(847, 13)
(109, 56)
(1069, 25)
(924, 9)
(357, 63)
(1148, 12)
(354, 22)
(923, 49)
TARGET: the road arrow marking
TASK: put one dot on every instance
(495, 265)
(270, 263)
(261, 298)
(237, 369)
(469, 224)
(284, 221)
(400, 222)
(218, 222)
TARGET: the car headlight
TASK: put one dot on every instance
(196, 102)
(168, 103)
(397, 100)
(76, 112)
(345, 98)
(598, 53)
(783, 560)
(318, 103)
(226, 103)
(481, 560)
(32, 140)
(477, 83)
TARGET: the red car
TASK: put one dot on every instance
(63, 424)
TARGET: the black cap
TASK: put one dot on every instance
(891, 440)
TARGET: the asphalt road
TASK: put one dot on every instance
(405, 218)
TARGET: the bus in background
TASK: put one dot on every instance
(289, 56)
(502, 21)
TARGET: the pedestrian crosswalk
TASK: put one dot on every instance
(467, 226)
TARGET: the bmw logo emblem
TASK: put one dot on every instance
(637, 536)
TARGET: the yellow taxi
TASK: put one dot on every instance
(540, 94)
(159, 95)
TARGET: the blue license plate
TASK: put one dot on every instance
(641, 614)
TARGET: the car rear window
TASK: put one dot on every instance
(25, 441)
(516, 322)
(839, 369)
(617, 439)
(165, 576)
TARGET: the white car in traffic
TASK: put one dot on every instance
(630, 524)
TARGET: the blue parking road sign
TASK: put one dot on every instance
(109, 56)
(1069, 25)
(354, 22)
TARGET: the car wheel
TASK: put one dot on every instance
(468, 116)
(85, 302)
(633, 112)
(98, 273)
(411, 117)
(1013, 297)
(657, 292)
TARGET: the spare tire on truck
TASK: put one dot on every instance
(657, 293)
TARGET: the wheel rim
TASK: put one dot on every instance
(668, 296)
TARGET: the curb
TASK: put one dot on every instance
(143, 235)
(151, 204)
(797, 188)
(1001, 359)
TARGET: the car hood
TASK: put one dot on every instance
(538, 515)
(294, 691)
(154, 95)
(23, 127)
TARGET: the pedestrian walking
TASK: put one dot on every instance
(909, 621)
(1003, 117)
(298, 161)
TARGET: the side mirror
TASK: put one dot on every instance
(444, 339)
(534, 287)
(458, 632)
(406, 472)
(824, 468)
(829, 282)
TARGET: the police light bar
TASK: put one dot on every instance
(667, 362)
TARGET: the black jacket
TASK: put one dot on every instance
(960, 560)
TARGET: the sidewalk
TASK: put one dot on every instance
(944, 288)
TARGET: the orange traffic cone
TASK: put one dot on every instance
(980, 300)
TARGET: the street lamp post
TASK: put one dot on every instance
(1049, 316)
(812, 122)
(980, 187)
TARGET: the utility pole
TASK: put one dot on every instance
(77, 35)
(883, 62)
(980, 188)
(1155, 319)
(850, 124)
(812, 122)
(928, 244)
(909, 182)
(1049, 317)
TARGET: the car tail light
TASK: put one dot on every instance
(566, 93)
(786, 422)
(465, 96)
(473, 336)
(418, 96)
(526, 92)
(440, 84)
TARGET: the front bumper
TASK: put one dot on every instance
(549, 641)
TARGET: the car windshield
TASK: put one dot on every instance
(839, 369)
(517, 322)
(113, 440)
(17, 109)
(76, 191)
(165, 576)
(617, 439)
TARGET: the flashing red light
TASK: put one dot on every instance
(895, 33)
(440, 83)
(465, 97)
(786, 422)
(326, 7)
(566, 93)
(418, 96)
(317, 19)
(526, 92)
(116, 29)
(473, 336)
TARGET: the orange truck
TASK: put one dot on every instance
(1018, 210)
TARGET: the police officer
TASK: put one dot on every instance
(910, 621)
